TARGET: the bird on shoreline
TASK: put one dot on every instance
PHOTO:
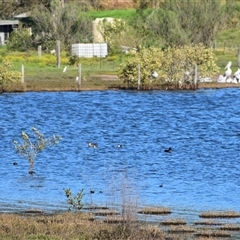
(228, 71)
(236, 75)
(65, 69)
(154, 74)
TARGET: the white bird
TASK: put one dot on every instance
(228, 71)
(236, 75)
(221, 79)
(76, 79)
(154, 74)
(65, 69)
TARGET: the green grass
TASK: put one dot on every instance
(117, 13)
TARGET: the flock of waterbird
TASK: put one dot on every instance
(227, 77)
(95, 145)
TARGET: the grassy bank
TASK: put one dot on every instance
(102, 224)
(42, 74)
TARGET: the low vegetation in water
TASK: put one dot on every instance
(32, 145)
(220, 214)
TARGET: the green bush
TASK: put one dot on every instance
(19, 40)
(9, 80)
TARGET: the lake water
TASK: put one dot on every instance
(202, 127)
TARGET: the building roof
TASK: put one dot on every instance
(8, 22)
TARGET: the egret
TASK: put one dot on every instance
(154, 74)
(65, 69)
(76, 79)
(228, 71)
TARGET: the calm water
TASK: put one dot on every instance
(201, 173)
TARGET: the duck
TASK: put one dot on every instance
(93, 145)
(228, 71)
(119, 146)
(169, 150)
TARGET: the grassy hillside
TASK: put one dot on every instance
(117, 13)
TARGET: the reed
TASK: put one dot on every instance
(174, 221)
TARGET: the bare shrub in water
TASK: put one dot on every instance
(30, 148)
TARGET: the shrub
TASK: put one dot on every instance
(171, 64)
(30, 148)
(9, 79)
(75, 202)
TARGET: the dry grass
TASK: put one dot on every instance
(181, 229)
(213, 233)
(71, 226)
(35, 224)
(155, 211)
(106, 212)
(230, 227)
(174, 221)
(208, 223)
(220, 214)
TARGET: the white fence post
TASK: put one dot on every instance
(22, 73)
(79, 76)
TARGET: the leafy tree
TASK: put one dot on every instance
(19, 40)
(30, 148)
(188, 21)
(118, 33)
(66, 23)
(10, 8)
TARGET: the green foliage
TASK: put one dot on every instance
(67, 23)
(74, 60)
(171, 64)
(75, 202)
(19, 40)
(30, 148)
(123, 14)
(117, 34)
(9, 79)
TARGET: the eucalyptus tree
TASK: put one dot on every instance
(188, 21)
(10, 8)
(65, 22)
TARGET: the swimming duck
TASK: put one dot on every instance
(94, 145)
(119, 145)
(169, 150)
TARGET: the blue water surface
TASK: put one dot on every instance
(202, 127)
